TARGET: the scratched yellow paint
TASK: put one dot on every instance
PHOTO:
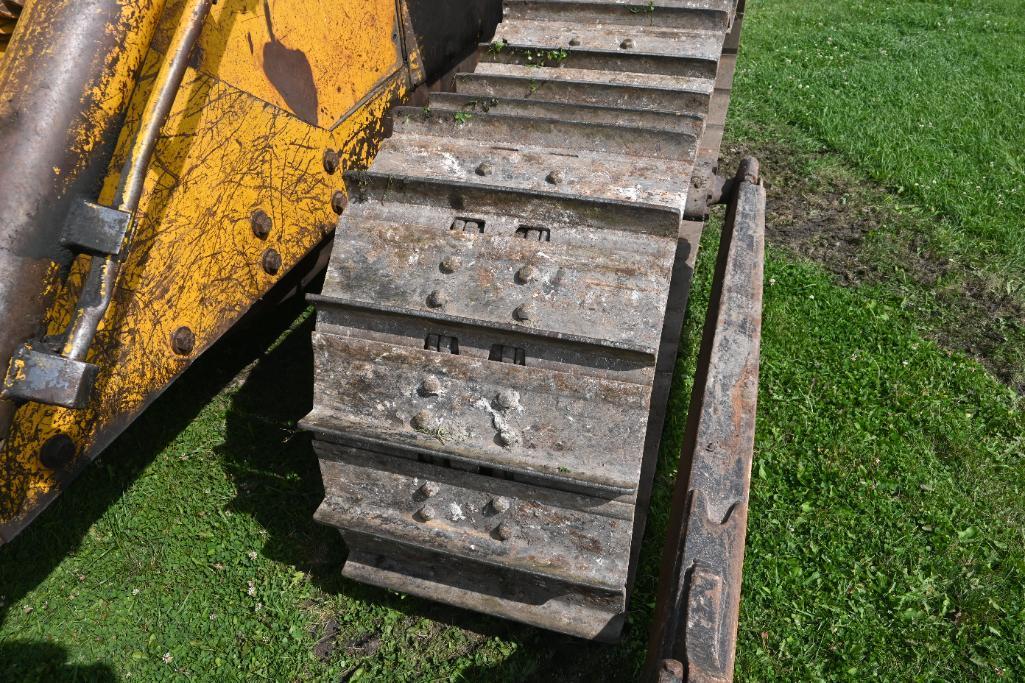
(225, 151)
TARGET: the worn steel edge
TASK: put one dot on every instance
(694, 628)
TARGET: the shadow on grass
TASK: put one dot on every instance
(48, 662)
(31, 557)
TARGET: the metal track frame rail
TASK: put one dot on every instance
(694, 631)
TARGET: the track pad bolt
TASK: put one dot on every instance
(485, 169)
(627, 44)
(524, 312)
(429, 489)
(504, 531)
(555, 178)
(431, 386)
(423, 421)
(508, 438)
(500, 504)
(451, 264)
(526, 274)
(426, 513)
(437, 299)
(508, 399)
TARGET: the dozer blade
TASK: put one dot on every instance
(498, 328)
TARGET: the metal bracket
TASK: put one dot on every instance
(47, 377)
(95, 229)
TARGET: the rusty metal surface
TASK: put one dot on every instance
(687, 14)
(697, 608)
(476, 518)
(572, 432)
(572, 285)
(495, 314)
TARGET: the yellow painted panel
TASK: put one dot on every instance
(195, 262)
(291, 53)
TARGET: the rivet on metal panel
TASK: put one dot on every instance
(426, 513)
(555, 178)
(508, 438)
(524, 312)
(183, 341)
(437, 299)
(508, 399)
(429, 489)
(526, 274)
(500, 504)
(261, 223)
(57, 452)
(431, 386)
(574, 42)
(627, 44)
(504, 531)
(339, 201)
(485, 169)
(331, 160)
(451, 264)
(271, 261)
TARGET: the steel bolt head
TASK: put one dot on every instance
(485, 169)
(431, 386)
(504, 531)
(451, 264)
(574, 42)
(261, 223)
(437, 299)
(525, 312)
(339, 201)
(422, 420)
(331, 160)
(271, 261)
(507, 399)
(183, 340)
(527, 273)
(507, 438)
(426, 513)
(500, 504)
(555, 178)
(627, 44)
(429, 489)
(57, 451)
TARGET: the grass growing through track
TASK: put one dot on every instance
(887, 533)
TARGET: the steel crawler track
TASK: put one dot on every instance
(498, 327)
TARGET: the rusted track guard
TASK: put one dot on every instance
(695, 626)
(497, 332)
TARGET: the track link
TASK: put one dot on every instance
(493, 349)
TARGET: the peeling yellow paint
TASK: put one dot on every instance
(227, 149)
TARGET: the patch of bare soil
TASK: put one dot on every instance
(852, 227)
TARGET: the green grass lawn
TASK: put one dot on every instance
(887, 532)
